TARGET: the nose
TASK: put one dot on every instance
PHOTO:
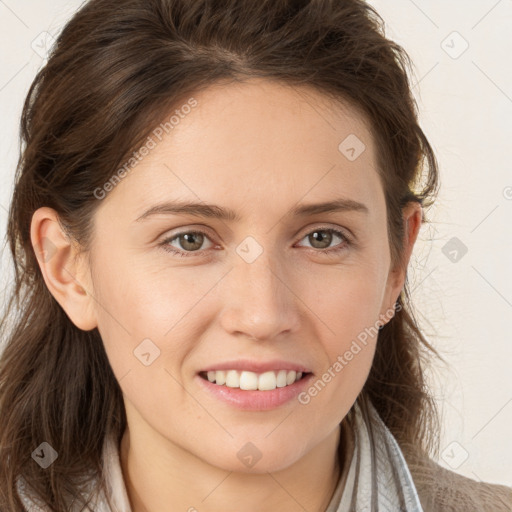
(259, 302)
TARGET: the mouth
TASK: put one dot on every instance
(253, 381)
(253, 391)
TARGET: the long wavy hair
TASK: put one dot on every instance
(115, 70)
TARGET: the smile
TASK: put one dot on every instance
(247, 380)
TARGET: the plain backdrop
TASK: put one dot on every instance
(460, 271)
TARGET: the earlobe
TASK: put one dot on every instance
(65, 273)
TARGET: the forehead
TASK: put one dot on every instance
(253, 143)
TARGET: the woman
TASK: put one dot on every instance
(211, 226)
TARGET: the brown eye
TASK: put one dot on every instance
(190, 241)
(322, 238)
(185, 243)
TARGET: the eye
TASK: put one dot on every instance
(321, 238)
(189, 242)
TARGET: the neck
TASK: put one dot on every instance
(168, 478)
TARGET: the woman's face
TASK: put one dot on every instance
(268, 286)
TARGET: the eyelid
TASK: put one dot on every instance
(196, 228)
(347, 234)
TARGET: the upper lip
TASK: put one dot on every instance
(257, 366)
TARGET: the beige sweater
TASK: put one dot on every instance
(442, 490)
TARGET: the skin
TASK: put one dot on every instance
(259, 148)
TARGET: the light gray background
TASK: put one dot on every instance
(464, 300)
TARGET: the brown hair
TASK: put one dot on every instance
(115, 70)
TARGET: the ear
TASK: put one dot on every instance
(412, 214)
(64, 270)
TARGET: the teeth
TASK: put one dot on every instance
(266, 381)
(281, 379)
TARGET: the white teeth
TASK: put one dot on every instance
(232, 379)
(290, 377)
(248, 380)
(266, 381)
(281, 379)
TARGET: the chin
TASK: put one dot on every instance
(252, 460)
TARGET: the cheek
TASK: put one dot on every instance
(348, 310)
(146, 298)
(140, 320)
(347, 302)
(143, 303)
(346, 299)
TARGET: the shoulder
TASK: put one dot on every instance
(442, 490)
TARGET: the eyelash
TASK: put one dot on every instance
(331, 251)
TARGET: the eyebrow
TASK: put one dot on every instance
(218, 212)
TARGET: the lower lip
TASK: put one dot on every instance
(255, 400)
